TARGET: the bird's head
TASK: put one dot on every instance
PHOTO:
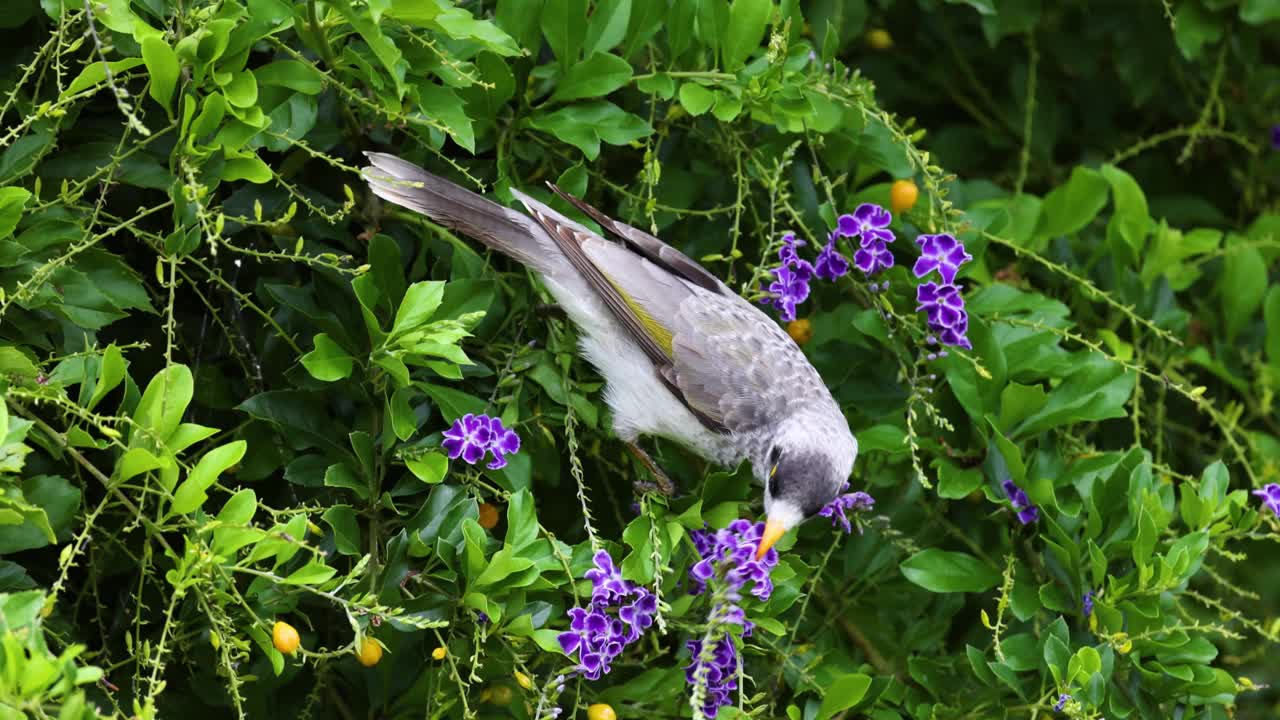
(802, 476)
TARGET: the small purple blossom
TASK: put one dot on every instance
(732, 551)
(830, 264)
(474, 435)
(1270, 497)
(788, 253)
(1027, 512)
(868, 222)
(942, 253)
(1086, 603)
(469, 438)
(481, 618)
(1062, 702)
(790, 287)
(1275, 137)
(619, 613)
(836, 509)
(873, 257)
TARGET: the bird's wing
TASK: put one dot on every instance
(651, 247)
(735, 365)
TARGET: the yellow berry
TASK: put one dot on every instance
(438, 653)
(800, 330)
(879, 39)
(370, 652)
(903, 195)
(500, 695)
(600, 711)
(488, 516)
(285, 637)
(523, 680)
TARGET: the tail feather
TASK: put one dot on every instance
(507, 231)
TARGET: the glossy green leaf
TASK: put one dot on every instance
(941, 571)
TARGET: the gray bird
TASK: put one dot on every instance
(684, 357)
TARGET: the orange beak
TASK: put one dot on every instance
(773, 532)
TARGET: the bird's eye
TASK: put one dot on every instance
(775, 454)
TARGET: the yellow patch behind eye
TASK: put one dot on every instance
(774, 471)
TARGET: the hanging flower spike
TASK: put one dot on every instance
(502, 442)
(721, 673)
(942, 253)
(830, 264)
(619, 613)
(468, 438)
(1270, 497)
(869, 222)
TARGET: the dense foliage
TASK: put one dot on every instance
(233, 379)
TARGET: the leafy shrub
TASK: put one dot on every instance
(229, 371)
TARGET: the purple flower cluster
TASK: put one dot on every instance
(721, 672)
(1062, 702)
(942, 303)
(870, 224)
(474, 435)
(730, 555)
(619, 613)
(790, 284)
(1270, 497)
(1027, 512)
(1086, 603)
(836, 509)
(733, 549)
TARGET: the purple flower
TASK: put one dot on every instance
(1027, 513)
(787, 253)
(618, 615)
(830, 263)
(1062, 702)
(942, 253)
(836, 509)
(481, 618)
(1275, 137)
(731, 552)
(1086, 603)
(873, 257)
(473, 435)
(791, 287)
(720, 673)
(502, 442)
(469, 438)
(1270, 497)
(945, 309)
(869, 222)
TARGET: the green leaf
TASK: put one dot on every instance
(419, 304)
(585, 125)
(240, 509)
(1243, 285)
(162, 65)
(346, 529)
(328, 361)
(608, 25)
(460, 24)
(96, 72)
(1097, 389)
(429, 468)
(249, 167)
(941, 571)
(597, 76)
(1070, 207)
(1131, 222)
(292, 74)
(1259, 12)
(1271, 316)
(564, 22)
(12, 201)
(312, 573)
(339, 475)
(695, 98)
(403, 421)
(503, 564)
(1195, 27)
(747, 22)
(110, 372)
(955, 482)
(444, 106)
(162, 405)
(841, 693)
(191, 493)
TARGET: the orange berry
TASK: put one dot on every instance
(903, 195)
(370, 652)
(438, 653)
(285, 637)
(488, 516)
(879, 39)
(800, 330)
(523, 680)
(600, 711)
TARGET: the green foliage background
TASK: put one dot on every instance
(226, 366)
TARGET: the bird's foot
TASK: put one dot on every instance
(661, 481)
